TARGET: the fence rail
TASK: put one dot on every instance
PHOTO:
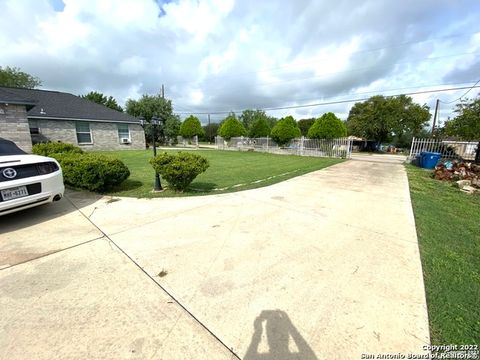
(341, 148)
(461, 150)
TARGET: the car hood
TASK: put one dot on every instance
(11, 160)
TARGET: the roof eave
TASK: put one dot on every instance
(18, 102)
(45, 117)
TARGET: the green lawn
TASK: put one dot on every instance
(229, 171)
(448, 228)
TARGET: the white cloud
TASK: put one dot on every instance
(225, 55)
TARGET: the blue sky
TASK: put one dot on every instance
(221, 55)
(58, 5)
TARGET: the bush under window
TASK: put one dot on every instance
(49, 148)
(91, 171)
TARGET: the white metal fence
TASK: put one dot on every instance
(464, 150)
(341, 147)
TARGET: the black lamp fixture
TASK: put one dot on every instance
(154, 122)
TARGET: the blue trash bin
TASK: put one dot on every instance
(429, 160)
(418, 160)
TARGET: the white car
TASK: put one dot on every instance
(27, 180)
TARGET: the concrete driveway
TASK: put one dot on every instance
(322, 266)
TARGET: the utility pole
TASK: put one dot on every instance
(162, 119)
(435, 117)
(209, 133)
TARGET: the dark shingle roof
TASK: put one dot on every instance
(59, 105)
(9, 97)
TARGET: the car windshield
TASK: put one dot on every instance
(8, 147)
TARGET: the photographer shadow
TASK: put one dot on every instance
(283, 339)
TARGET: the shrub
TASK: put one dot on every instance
(231, 127)
(191, 127)
(328, 126)
(92, 172)
(179, 169)
(49, 148)
(285, 130)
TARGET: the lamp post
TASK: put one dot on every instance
(154, 122)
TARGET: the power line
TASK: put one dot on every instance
(354, 70)
(449, 102)
(394, 89)
(332, 102)
(187, 110)
(327, 58)
(214, 85)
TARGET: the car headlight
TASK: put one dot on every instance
(47, 168)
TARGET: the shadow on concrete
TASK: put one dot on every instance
(39, 214)
(46, 229)
(280, 340)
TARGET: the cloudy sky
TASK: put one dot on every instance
(222, 55)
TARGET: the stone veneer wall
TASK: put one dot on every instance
(57, 130)
(14, 126)
(104, 135)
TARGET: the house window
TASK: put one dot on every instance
(123, 133)
(33, 125)
(84, 136)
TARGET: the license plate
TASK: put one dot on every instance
(14, 193)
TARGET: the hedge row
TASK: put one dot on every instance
(84, 170)
(46, 149)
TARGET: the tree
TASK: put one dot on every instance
(381, 118)
(285, 130)
(272, 121)
(14, 77)
(248, 117)
(304, 125)
(231, 127)
(466, 124)
(191, 127)
(259, 128)
(172, 128)
(147, 107)
(211, 131)
(328, 126)
(101, 99)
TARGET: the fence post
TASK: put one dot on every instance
(411, 149)
(267, 144)
(477, 154)
(302, 139)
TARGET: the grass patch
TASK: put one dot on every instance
(448, 229)
(228, 171)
